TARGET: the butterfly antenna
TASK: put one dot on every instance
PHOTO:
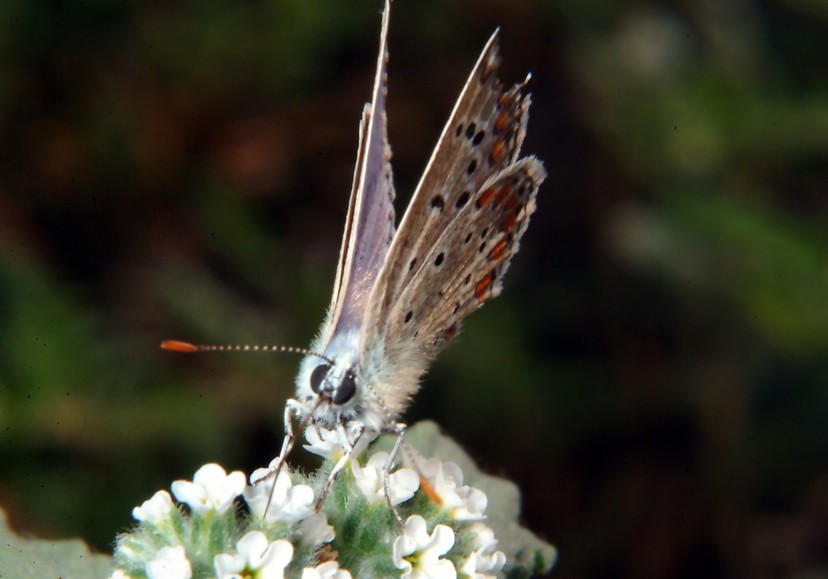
(187, 347)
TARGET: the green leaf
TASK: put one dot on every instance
(67, 559)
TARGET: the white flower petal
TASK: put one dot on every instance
(323, 442)
(255, 556)
(442, 569)
(327, 570)
(402, 485)
(328, 443)
(473, 505)
(229, 565)
(370, 479)
(169, 563)
(417, 530)
(290, 503)
(403, 546)
(442, 540)
(275, 559)
(252, 547)
(212, 489)
(315, 530)
(465, 503)
(154, 509)
(486, 561)
(418, 554)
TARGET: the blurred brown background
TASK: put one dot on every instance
(655, 375)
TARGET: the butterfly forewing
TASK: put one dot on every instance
(369, 226)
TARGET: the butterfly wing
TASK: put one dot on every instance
(457, 237)
(465, 267)
(369, 225)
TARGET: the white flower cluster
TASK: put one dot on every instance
(441, 535)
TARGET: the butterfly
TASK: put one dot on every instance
(400, 296)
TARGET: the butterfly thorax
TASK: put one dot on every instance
(336, 378)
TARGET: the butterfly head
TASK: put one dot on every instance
(336, 384)
(333, 386)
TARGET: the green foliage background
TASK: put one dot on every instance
(655, 376)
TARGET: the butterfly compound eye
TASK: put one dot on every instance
(317, 376)
(346, 389)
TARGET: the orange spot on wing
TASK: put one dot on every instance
(483, 285)
(501, 121)
(177, 346)
(509, 222)
(498, 151)
(502, 194)
(486, 197)
(511, 202)
(497, 250)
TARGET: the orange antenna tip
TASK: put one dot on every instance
(177, 346)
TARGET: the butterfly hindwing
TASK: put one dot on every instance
(465, 267)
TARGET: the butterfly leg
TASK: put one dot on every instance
(348, 447)
(291, 408)
(399, 430)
